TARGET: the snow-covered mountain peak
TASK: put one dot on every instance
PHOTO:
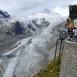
(48, 11)
(46, 14)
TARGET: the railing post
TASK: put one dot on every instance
(56, 50)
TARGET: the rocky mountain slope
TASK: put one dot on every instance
(24, 45)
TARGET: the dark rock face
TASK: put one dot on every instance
(4, 14)
(18, 28)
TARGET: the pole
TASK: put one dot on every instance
(56, 50)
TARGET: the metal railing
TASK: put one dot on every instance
(60, 41)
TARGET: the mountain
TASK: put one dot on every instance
(48, 11)
(24, 45)
(4, 14)
(13, 30)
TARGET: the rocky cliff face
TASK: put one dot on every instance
(12, 30)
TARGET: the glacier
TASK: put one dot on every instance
(23, 55)
(32, 56)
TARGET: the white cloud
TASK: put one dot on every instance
(22, 8)
(61, 11)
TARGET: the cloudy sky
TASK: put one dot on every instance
(26, 7)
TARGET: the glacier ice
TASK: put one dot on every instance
(29, 54)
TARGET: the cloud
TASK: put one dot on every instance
(20, 8)
(61, 11)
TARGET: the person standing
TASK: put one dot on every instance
(75, 34)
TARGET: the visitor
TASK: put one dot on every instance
(71, 34)
(75, 34)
